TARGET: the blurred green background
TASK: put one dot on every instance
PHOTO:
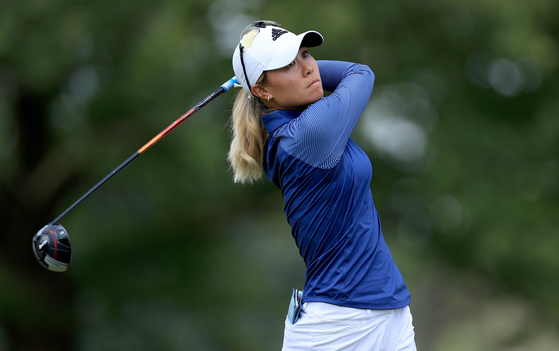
(462, 129)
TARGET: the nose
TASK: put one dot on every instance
(308, 69)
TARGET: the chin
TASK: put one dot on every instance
(318, 96)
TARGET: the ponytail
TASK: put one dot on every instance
(248, 137)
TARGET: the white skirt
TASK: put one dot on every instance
(328, 327)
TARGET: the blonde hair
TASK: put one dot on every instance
(248, 137)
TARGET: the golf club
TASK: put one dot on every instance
(51, 244)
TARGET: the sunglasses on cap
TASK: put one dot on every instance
(247, 36)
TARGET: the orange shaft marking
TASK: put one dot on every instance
(165, 131)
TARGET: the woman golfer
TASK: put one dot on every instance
(354, 296)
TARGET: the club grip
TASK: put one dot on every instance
(230, 83)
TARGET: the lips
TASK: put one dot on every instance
(315, 81)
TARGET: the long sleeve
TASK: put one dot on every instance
(320, 134)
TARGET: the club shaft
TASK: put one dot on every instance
(226, 86)
(97, 186)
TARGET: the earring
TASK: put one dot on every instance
(268, 97)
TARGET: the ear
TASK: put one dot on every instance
(260, 91)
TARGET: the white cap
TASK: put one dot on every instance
(272, 47)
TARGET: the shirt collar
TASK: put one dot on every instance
(277, 118)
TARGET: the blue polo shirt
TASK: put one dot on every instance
(325, 180)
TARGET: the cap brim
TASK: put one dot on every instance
(311, 39)
(287, 53)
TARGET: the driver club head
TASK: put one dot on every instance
(51, 246)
